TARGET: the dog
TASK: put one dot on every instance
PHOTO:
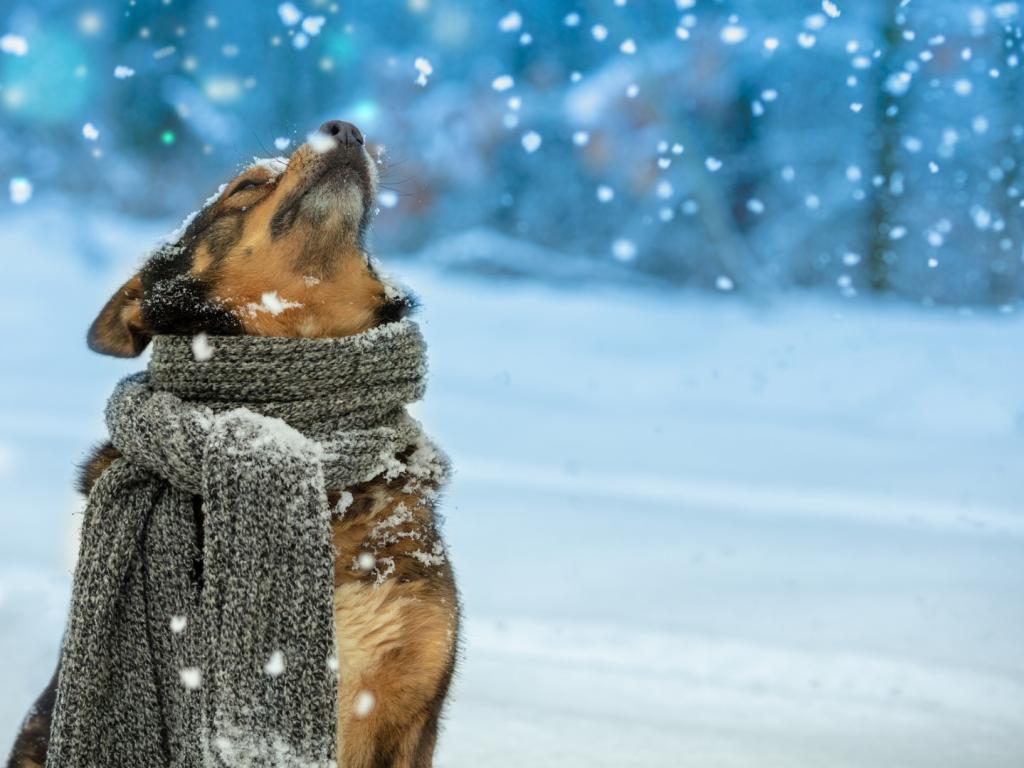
(281, 251)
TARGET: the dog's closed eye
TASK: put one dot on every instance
(248, 184)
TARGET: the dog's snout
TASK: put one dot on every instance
(345, 133)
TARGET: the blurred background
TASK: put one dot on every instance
(724, 304)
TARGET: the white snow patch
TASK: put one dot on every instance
(275, 166)
(272, 303)
(275, 664)
(344, 502)
(202, 349)
(321, 142)
(191, 677)
(178, 624)
(363, 704)
(366, 561)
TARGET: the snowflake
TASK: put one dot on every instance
(624, 250)
(733, 33)
(531, 141)
(20, 190)
(503, 83)
(363, 704)
(275, 664)
(510, 22)
(320, 142)
(15, 45)
(312, 25)
(425, 69)
(191, 677)
(290, 15)
(202, 349)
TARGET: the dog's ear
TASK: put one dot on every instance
(119, 329)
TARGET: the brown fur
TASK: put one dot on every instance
(396, 621)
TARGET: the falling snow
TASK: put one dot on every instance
(363, 704)
(290, 15)
(424, 68)
(511, 22)
(202, 349)
(275, 665)
(531, 141)
(503, 83)
(623, 249)
(191, 677)
(15, 45)
(20, 190)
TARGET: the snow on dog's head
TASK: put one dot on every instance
(292, 228)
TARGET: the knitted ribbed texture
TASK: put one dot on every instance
(207, 638)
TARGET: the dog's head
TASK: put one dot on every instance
(278, 251)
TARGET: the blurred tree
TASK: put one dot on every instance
(1004, 271)
(885, 144)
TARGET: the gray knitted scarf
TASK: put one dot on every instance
(204, 636)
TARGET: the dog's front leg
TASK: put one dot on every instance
(396, 616)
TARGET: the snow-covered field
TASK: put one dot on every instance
(689, 532)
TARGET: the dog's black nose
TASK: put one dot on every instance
(344, 132)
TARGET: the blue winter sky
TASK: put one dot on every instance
(723, 304)
(850, 147)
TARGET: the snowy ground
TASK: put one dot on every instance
(688, 532)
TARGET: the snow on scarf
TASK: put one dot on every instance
(205, 636)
